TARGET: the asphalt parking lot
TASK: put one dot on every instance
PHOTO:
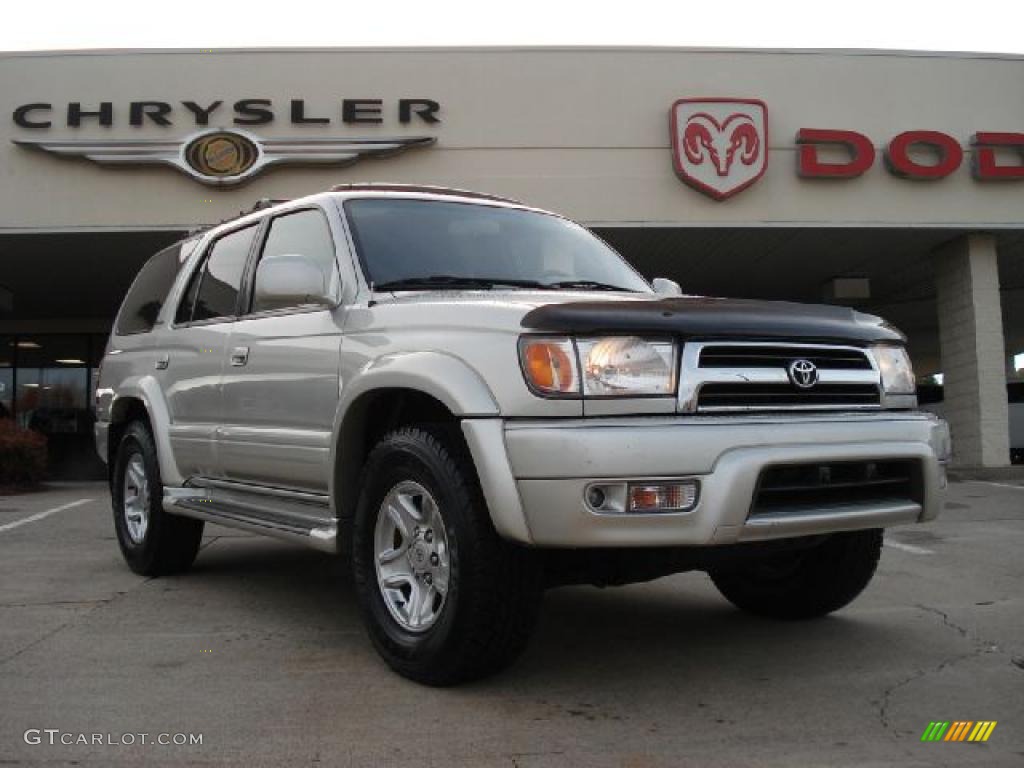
(259, 649)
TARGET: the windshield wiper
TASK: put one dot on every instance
(587, 284)
(460, 281)
(453, 281)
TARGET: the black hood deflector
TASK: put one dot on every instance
(709, 318)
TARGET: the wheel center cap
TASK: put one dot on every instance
(419, 555)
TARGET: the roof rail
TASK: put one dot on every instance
(265, 202)
(425, 188)
(259, 205)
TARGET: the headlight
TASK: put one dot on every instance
(616, 366)
(627, 366)
(895, 369)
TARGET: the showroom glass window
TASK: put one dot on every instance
(47, 383)
(6, 377)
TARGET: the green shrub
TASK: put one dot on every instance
(22, 455)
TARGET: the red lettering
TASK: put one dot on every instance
(948, 150)
(857, 145)
(985, 165)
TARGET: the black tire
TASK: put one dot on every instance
(494, 587)
(170, 543)
(804, 584)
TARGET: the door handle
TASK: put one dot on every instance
(239, 356)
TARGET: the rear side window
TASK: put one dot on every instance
(213, 290)
(146, 297)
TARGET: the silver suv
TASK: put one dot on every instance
(475, 400)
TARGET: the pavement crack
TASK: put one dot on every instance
(982, 643)
(46, 636)
(980, 646)
(917, 674)
(96, 605)
(962, 631)
(98, 601)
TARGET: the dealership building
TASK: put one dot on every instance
(890, 182)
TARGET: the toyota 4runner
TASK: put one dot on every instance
(474, 400)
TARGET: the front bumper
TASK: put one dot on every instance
(534, 473)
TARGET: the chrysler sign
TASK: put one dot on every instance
(720, 147)
(228, 154)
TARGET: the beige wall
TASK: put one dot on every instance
(584, 131)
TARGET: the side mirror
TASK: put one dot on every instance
(292, 280)
(665, 287)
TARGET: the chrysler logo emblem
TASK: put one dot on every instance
(803, 373)
(221, 154)
(222, 158)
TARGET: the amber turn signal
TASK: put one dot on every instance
(550, 365)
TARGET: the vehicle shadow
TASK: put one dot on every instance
(647, 637)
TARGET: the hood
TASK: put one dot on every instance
(524, 298)
(712, 318)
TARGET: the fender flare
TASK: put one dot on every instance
(445, 377)
(147, 390)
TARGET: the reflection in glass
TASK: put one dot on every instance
(6, 377)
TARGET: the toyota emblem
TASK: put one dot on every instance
(803, 373)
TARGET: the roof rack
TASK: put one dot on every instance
(265, 202)
(259, 205)
(425, 188)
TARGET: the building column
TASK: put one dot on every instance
(973, 354)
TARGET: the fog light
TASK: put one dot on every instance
(663, 497)
(595, 497)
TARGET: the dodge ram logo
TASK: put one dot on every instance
(803, 374)
(720, 146)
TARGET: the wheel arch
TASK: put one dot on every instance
(396, 390)
(141, 399)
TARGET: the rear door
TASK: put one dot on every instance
(195, 350)
(280, 386)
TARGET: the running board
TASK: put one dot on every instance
(294, 516)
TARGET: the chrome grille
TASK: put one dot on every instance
(773, 356)
(750, 376)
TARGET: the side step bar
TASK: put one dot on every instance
(302, 518)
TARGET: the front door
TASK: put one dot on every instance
(280, 386)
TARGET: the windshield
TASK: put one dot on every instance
(427, 243)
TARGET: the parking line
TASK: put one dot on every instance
(1001, 485)
(908, 548)
(43, 514)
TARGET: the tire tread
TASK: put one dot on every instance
(172, 542)
(826, 579)
(491, 633)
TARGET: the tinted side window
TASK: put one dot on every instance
(188, 301)
(306, 233)
(149, 291)
(222, 275)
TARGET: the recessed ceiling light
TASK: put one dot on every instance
(30, 386)
(70, 361)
